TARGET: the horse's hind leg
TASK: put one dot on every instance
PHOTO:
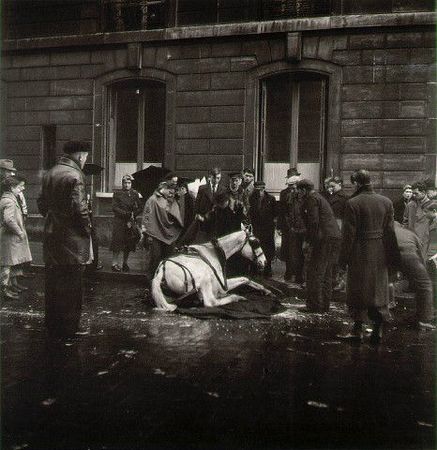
(244, 281)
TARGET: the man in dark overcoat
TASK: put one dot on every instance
(369, 249)
(323, 238)
(401, 203)
(206, 193)
(205, 199)
(67, 242)
(262, 214)
(337, 199)
(414, 269)
(292, 228)
(414, 215)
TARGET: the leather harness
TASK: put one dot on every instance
(194, 253)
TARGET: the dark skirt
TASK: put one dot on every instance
(121, 237)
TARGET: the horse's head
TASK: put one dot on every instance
(252, 250)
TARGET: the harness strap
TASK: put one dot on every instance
(185, 271)
(193, 253)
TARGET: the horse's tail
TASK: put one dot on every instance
(157, 294)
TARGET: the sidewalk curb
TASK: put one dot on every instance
(105, 275)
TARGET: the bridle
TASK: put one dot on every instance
(253, 241)
(254, 245)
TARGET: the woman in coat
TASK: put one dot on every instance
(13, 238)
(126, 206)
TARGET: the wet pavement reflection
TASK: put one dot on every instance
(136, 378)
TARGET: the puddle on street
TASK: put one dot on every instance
(134, 375)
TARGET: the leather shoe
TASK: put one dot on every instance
(355, 335)
(352, 337)
(27, 275)
(8, 294)
(425, 326)
(116, 268)
(20, 287)
(15, 289)
(376, 336)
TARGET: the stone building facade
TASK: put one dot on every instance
(330, 93)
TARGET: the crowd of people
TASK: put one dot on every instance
(328, 239)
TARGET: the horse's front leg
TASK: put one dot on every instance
(244, 281)
(208, 298)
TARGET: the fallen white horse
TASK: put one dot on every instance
(199, 268)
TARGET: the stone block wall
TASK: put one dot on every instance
(387, 99)
(388, 106)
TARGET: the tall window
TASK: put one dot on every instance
(136, 127)
(292, 131)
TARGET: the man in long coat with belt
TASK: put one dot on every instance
(369, 249)
(67, 239)
(262, 213)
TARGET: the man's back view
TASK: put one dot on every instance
(369, 247)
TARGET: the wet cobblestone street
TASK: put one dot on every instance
(136, 378)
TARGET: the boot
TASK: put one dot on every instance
(8, 294)
(355, 335)
(18, 287)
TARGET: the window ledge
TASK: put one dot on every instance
(109, 194)
(104, 194)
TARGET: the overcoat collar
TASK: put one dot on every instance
(365, 189)
(67, 160)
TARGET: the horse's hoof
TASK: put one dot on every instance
(269, 293)
(166, 308)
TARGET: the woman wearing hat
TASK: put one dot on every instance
(13, 238)
(126, 206)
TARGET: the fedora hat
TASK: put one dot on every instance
(292, 171)
(7, 164)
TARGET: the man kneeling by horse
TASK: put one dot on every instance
(202, 269)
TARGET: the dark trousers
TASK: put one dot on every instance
(158, 251)
(295, 260)
(95, 244)
(63, 299)
(377, 314)
(323, 257)
(419, 281)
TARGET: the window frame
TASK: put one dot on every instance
(101, 138)
(254, 79)
(113, 124)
